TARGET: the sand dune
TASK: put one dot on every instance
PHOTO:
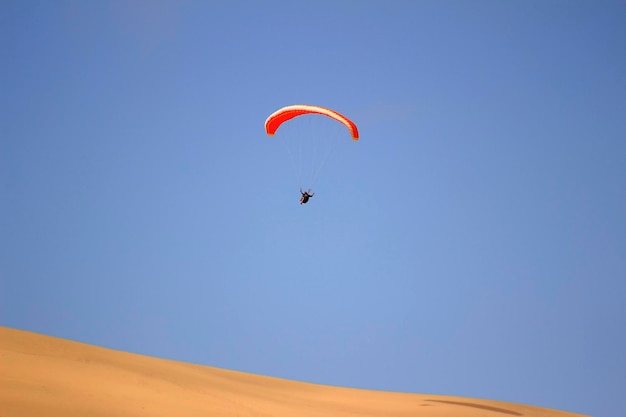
(52, 377)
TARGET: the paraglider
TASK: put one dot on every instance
(309, 136)
(305, 196)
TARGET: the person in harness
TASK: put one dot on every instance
(305, 196)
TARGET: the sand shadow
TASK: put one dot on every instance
(483, 407)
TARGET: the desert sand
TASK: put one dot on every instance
(48, 376)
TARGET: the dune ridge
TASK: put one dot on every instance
(48, 376)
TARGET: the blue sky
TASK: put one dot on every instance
(472, 243)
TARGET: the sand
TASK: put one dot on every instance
(52, 377)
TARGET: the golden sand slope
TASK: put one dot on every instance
(52, 377)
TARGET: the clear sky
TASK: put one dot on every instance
(472, 243)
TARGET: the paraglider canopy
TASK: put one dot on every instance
(280, 116)
(310, 140)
